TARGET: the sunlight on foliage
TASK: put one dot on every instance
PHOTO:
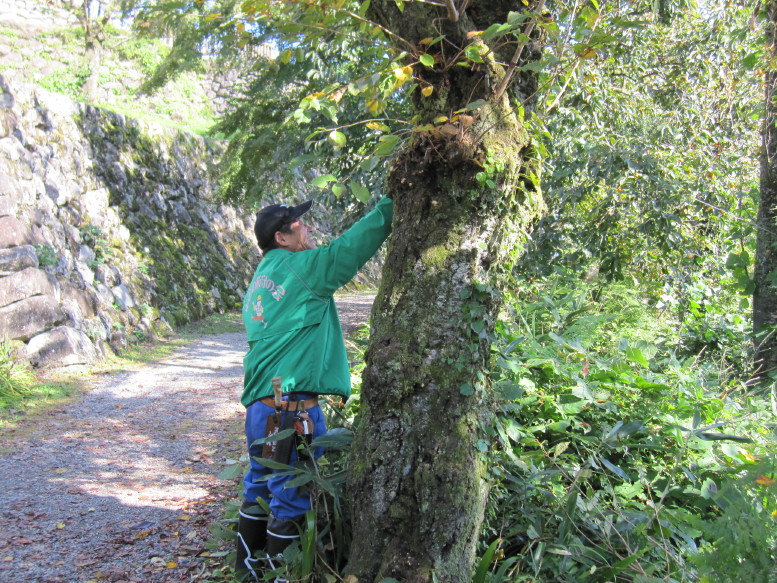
(621, 461)
(15, 380)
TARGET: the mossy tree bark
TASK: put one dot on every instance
(765, 275)
(465, 195)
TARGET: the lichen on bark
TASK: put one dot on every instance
(463, 205)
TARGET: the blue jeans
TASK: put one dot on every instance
(285, 503)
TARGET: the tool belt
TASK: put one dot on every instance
(292, 405)
(292, 415)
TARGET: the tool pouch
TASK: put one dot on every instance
(303, 435)
(284, 446)
(273, 426)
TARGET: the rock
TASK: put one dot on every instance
(8, 205)
(180, 214)
(23, 320)
(61, 190)
(95, 204)
(13, 232)
(86, 299)
(108, 275)
(17, 258)
(123, 297)
(86, 254)
(104, 295)
(25, 284)
(62, 346)
(86, 273)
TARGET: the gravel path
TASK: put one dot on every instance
(121, 484)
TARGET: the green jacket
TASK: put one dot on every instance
(290, 316)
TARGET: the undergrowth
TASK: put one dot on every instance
(616, 459)
(617, 454)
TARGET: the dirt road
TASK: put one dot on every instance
(120, 485)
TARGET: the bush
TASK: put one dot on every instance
(15, 380)
(46, 254)
(618, 462)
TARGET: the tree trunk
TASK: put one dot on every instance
(765, 293)
(94, 37)
(465, 196)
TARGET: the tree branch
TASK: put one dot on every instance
(453, 14)
(516, 57)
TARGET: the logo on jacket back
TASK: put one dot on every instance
(276, 291)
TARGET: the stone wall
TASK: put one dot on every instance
(109, 230)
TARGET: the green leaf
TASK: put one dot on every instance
(473, 54)
(635, 355)
(466, 389)
(361, 193)
(323, 181)
(273, 465)
(336, 140)
(338, 190)
(514, 18)
(274, 437)
(336, 438)
(485, 562)
(709, 489)
(427, 60)
(713, 436)
(230, 472)
(300, 480)
(496, 29)
(751, 60)
(535, 66)
(476, 104)
(387, 145)
(509, 391)
(615, 469)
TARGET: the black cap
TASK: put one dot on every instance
(271, 218)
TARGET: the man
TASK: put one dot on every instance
(294, 333)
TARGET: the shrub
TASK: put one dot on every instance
(15, 380)
(609, 460)
(46, 254)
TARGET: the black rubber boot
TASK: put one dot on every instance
(251, 539)
(280, 534)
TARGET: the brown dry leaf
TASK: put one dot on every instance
(449, 130)
(466, 120)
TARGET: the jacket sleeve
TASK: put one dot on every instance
(334, 265)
